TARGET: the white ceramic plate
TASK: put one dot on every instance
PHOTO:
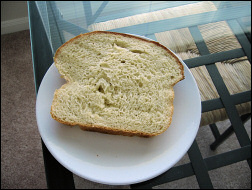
(115, 159)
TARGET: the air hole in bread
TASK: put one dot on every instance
(106, 103)
(116, 89)
(140, 84)
(121, 44)
(100, 89)
(137, 51)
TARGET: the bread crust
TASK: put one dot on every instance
(105, 129)
(108, 130)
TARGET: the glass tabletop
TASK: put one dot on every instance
(66, 19)
(212, 37)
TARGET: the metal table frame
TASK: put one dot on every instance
(59, 177)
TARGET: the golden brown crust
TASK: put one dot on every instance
(108, 130)
(102, 129)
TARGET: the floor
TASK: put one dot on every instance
(21, 155)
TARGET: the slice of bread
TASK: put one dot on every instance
(116, 83)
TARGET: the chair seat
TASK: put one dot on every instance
(237, 78)
(236, 73)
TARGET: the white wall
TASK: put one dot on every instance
(14, 16)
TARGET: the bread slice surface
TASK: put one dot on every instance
(116, 83)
